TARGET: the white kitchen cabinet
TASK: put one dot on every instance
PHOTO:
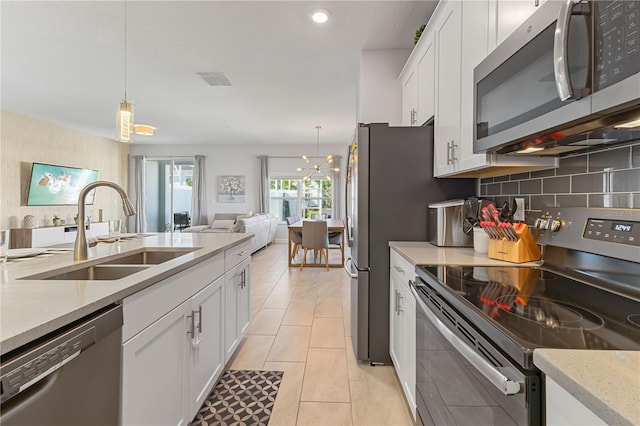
(50, 235)
(402, 326)
(410, 99)
(426, 80)
(174, 338)
(206, 328)
(237, 315)
(507, 15)
(563, 409)
(154, 376)
(448, 39)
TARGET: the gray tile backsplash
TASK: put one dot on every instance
(608, 177)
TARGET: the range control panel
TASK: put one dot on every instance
(613, 230)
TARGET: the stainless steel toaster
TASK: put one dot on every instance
(445, 224)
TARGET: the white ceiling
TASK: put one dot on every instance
(63, 62)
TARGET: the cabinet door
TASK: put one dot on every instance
(475, 17)
(427, 81)
(409, 383)
(510, 15)
(448, 61)
(410, 100)
(396, 332)
(231, 321)
(207, 351)
(244, 298)
(154, 376)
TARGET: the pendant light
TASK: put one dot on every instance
(317, 168)
(124, 116)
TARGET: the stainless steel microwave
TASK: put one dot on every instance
(566, 79)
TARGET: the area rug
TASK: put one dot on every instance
(241, 397)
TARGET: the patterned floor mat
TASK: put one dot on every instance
(241, 397)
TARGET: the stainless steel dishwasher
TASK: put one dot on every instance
(69, 377)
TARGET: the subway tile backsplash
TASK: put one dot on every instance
(609, 177)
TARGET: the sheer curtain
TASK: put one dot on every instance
(263, 189)
(336, 186)
(199, 193)
(139, 162)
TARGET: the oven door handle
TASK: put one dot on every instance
(499, 380)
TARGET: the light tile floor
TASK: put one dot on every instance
(300, 325)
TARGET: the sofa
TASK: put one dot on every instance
(262, 225)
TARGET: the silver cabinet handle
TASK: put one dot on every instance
(192, 330)
(560, 60)
(499, 380)
(200, 319)
(243, 252)
(453, 151)
(399, 269)
(400, 298)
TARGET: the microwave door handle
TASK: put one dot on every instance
(560, 59)
(499, 380)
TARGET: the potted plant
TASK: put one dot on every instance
(56, 220)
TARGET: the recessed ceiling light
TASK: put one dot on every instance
(320, 16)
(143, 129)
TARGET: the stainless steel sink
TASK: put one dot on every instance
(150, 256)
(91, 273)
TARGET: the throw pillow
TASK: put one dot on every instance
(222, 224)
(245, 216)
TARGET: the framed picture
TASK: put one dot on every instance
(231, 189)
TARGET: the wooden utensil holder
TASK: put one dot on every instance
(523, 250)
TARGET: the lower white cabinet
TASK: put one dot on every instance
(402, 327)
(154, 379)
(206, 330)
(563, 409)
(175, 338)
(237, 315)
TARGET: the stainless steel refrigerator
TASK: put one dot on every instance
(389, 183)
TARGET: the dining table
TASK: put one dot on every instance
(333, 225)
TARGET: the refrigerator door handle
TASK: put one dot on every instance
(348, 267)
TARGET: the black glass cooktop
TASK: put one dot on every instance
(536, 308)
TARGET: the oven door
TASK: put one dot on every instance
(460, 378)
(537, 79)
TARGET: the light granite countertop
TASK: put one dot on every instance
(31, 308)
(607, 382)
(611, 391)
(421, 253)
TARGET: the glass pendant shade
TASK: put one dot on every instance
(124, 122)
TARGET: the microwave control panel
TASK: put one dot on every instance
(613, 230)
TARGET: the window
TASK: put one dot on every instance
(290, 197)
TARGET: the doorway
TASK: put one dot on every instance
(168, 188)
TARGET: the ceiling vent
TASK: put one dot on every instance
(215, 78)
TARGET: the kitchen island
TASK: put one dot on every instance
(30, 309)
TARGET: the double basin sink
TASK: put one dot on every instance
(115, 268)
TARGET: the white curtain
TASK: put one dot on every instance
(336, 186)
(263, 189)
(139, 162)
(199, 193)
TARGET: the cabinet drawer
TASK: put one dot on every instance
(146, 306)
(403, 269)
(236, 254)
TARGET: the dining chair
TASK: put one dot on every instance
(315, 237)
(296, 236)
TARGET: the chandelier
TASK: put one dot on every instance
(318, 168)
(124, 116)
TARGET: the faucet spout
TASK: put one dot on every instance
(80, 246)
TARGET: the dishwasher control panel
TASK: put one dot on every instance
(19, 373)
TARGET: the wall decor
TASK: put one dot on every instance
(231, 189)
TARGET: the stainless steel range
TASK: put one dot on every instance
(477, 327)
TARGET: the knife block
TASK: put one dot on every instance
(523, 250)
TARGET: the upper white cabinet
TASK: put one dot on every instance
(448, 38)
(410, 100)
(457, 38)
(507, 15)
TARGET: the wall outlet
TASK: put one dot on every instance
(520, 211)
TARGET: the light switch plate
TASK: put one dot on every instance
(520, 211)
